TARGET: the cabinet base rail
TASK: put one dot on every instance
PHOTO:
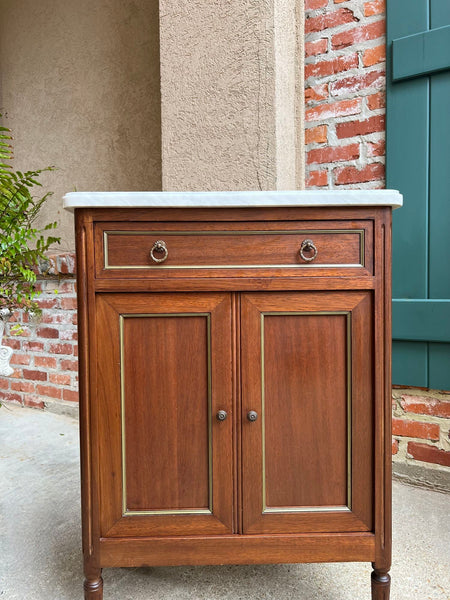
(236, 549)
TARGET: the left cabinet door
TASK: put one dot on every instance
(163, 371)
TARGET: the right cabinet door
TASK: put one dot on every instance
(307, 373)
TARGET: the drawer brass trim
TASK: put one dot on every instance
(307, 509)
(360, 232)
(177, 511)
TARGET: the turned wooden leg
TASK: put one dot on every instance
(93, 589)
(381, 584)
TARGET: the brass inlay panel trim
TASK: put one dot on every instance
(308, 509)
(360, 232)
(297, 509)
(177, 511)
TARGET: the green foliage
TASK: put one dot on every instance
(22, 244)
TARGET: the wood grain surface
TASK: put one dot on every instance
(161, 351)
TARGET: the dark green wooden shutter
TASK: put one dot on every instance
(418, 164)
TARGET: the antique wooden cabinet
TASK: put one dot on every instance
(235, 379)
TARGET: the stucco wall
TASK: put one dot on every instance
(79, 82)
(229, 77)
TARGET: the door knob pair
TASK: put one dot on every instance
(221, 415)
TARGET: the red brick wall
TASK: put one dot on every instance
(45, 355)
(344, 93)
(421, 427)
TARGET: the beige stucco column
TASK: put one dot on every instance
(231, 94)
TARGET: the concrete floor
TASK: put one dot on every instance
(40, 557)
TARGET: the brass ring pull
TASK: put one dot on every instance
(308, 246)
(159, 246)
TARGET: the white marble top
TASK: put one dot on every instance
(293, 198)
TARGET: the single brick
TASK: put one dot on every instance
(316, 93)
(328, 155)
(4, 383)
(59, 378)
(68, 303)
(317, 47)
(61, 349)
(316, 135)
(376, 101)
(358, 34)
(66, 287)
(416, 429)
(317, 179)
(33, 401)
(50, 391)
(63, 317)
(26, 333)
(376, 148)
(356, 83)
(40, 286)
(47, 332)
(330, 67)
(394, 446)
(23, 386)
(329, 20)
(375, 7)
(426, 406)
(70, 395)
(347, 175)
(45, 361)
(68, 334)
(8, 397)
(20, 359)
(33, 346)
(34, 375)
(353, 128)
(335, 109)
(340, 1)
(428, 453)
(45, 303)
(315, 4)
(372, 56)
(69, 365)
(11, 343)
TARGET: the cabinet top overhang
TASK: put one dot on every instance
(247, 199)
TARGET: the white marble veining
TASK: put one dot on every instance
(295, 198)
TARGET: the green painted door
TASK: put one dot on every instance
(418, 164)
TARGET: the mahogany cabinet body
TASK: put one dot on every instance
(235, 319)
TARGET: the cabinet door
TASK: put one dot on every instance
(163, 372)
(307, 373)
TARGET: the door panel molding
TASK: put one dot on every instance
(178, 511)
(357, 341)
(113, 311)
(328, 508)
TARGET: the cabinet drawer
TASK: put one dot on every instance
(146, 248)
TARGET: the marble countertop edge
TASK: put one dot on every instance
(256, 199)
